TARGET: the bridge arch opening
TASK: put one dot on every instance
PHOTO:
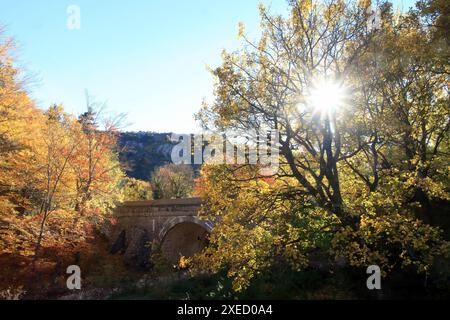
(185, 238)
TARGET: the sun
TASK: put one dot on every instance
(326, 97)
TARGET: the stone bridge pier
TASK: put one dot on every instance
(171, 223)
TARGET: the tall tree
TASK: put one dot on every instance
(96, 166)
(57, 179)
(270, 83)
(363, 120)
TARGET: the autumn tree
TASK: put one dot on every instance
(96, 166)
(362, 116)
(21, 126)
(58, 151)
(409, 80)
(270, 83)
(135, 189)
(50, 163)
(19, 130)
(173, 181)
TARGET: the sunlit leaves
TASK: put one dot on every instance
(358, 186)
(411, 243)
(48, 162)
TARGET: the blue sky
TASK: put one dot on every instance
(145, 58)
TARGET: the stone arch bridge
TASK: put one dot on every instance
(171, 223)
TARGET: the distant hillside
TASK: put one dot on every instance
(142, 152)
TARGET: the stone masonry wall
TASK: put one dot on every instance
(141, 222)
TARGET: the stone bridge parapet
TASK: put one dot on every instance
(173, 224)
